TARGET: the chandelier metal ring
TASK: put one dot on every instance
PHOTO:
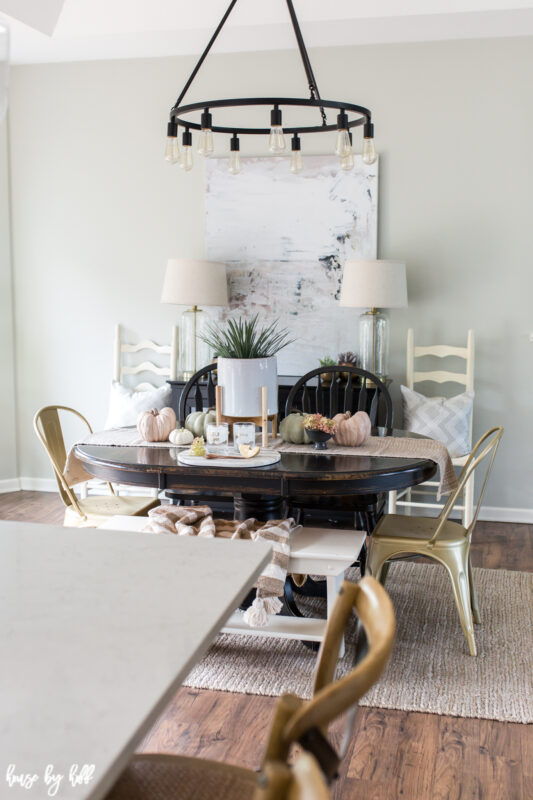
(176, 112)
(343, 125)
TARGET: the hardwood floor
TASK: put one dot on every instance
(394, 754)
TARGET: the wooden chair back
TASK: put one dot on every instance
(361, 391)
(306, 722)
(120, 369)
(486, 447)
(302, 780)
(465, 378)
(47, 426)
(191, 394)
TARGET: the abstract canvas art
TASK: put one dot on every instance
(285, 239)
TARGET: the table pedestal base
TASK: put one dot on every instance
(259, 506)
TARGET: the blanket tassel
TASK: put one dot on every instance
(257, 616)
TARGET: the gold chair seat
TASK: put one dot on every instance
(400, 526)
(98, 509)
(166, 777)
(438, 538)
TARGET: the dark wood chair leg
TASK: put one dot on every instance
(290, 609)
(362, 560)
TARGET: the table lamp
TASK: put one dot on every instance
(374, 284)
(192, 282)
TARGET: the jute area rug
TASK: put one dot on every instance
(430, 669)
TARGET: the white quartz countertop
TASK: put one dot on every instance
(98, 629)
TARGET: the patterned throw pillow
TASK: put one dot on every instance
(446, 419)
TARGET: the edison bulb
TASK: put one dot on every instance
(234, 164)
(172, 150)
(347, 161)
(186, 157)
(205, 142)
(343, 145)
(276, 142)
(369, 151)
(296, 164)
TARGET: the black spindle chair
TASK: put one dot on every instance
(192, 399)
(360, 391)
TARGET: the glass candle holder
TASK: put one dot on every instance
(243, 433)
(217, 434)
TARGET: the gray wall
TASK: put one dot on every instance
(96, 213)
(8, 444)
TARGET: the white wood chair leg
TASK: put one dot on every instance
(83, 490)
(393, 497)
(333, 584)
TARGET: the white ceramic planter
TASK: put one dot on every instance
(241, 380)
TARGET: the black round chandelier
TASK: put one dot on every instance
(348, 116)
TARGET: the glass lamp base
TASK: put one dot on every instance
(194, 353)
(374, 343)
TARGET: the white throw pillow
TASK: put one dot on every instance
(446, 419)
(125, 404)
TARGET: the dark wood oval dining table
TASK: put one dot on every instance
(260, 492)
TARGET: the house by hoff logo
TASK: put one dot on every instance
(50, 779)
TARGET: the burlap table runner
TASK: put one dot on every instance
(388, 446)
(74, 470)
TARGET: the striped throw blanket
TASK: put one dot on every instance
(199, 521)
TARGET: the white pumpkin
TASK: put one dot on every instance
(155, 426)
(181, 436)
(198, 421)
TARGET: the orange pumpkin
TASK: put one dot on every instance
(352, 431)
(155, 426)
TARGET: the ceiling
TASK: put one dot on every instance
(74, 30)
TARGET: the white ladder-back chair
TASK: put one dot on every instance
(121, 347)
(120, 369)
(464, 379)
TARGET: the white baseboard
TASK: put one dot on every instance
(38, 484)
(50, 485)
(9, 485)
(500, 514)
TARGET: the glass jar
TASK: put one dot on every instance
(217, 434)
(243, 433)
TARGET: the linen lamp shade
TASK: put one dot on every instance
(192, 282)
(374, 284)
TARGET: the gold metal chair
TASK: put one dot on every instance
(444, 541)
(296, 722)
(91, 511)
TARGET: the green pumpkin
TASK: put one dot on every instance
(198, 421)
(292, 429)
